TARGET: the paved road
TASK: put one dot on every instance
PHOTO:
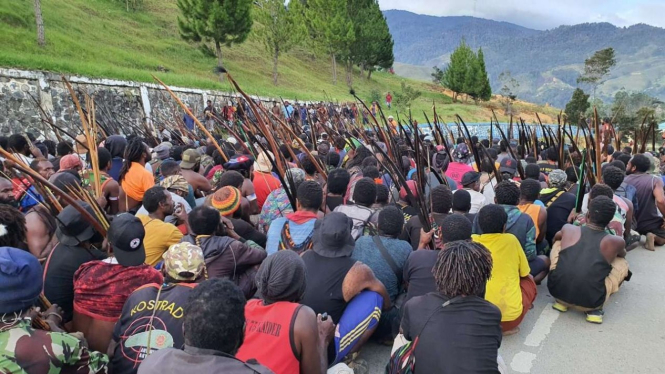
(630, 340)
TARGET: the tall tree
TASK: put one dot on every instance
(597, 67)
(331, 29)
(373, 43)
(280, 29)
(483, 87)
(508, 92)
(222, 22)
(577, 106)
(40, 23)
(470, 87)
(454, 75)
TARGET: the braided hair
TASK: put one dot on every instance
(462, 268)
(13, 232)
(133, 153)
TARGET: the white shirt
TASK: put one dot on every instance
(478, 201)
(176, 199)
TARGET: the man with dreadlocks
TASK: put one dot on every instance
(455, 330)
(588, 264)
(142, 330)
(134, 179)
(282, 334)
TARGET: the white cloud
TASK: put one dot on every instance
(541, 14)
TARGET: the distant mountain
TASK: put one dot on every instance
(546, 63)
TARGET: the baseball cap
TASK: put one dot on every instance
(126, 235)
(189, 158)
(470, 177)
(183, 261)
(508, 165)
(72, 227)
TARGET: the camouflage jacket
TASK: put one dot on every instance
(24, 350)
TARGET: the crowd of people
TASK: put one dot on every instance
(218, 262)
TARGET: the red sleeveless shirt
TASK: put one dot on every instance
(269, 336)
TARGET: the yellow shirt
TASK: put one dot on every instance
(159, 236)
(509, 265)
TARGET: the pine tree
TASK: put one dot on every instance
(483, 89)
(471, 85)
(224, 22)
(454, 75)
(373, 44)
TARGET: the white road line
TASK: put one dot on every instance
(522, 362)
(542, 326)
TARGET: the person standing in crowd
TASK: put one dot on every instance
(209, 114)
(77, 240)
(101, 287)
(588, 264)
(650, 199)
(457, 330)
(143, 328)
(23, 348)
(511, 288)
(342, 287)
(214, 329)
(134, 179)
(295, 231)
(389, 100)
(160, 235)
(300, 344)
(471, 183)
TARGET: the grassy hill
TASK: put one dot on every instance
(99, 38)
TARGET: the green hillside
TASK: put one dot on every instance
(99, 38)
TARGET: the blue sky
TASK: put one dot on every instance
(542, 14)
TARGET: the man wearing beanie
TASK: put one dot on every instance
(228, 201)
(101, 287)
(25, 349)
(299, 339)
(138, 332)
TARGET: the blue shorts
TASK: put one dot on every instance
(537, 266)
(361, 314)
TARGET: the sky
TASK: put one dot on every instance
(541, 14)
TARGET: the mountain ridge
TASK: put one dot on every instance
(546, 62)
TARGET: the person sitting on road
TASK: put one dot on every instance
(299, 339)
(342, 287)
(214, 329)
(588, 264)
(529, 192)
(442, 201)
(458, 331)
(363, 217)
(511, 288)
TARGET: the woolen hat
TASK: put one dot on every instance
(183, 261)
(190, 158)
(282, 277)
(21, 280)
(226, 200)
(72, 227)
(126, 235)
(332, 236)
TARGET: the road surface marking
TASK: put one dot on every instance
(522, 362)
(542, 326)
